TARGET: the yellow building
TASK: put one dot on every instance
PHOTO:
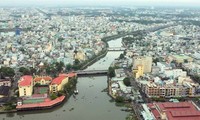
(42, 80)
(58, 83)
(80, 55)
(144, 61)
(25, 85)
(139, 71)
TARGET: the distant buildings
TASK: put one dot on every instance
(183, 87)
(181, 58)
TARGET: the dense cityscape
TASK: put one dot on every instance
(142, 61)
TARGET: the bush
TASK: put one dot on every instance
(53, 96)
(119, 99)
(111, 72)
(127, 81)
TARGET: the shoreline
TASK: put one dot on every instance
(90, 62)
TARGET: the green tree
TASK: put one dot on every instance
(24, 71)
(127, 81)
(76, 62)
(59, 66)
(7, 71)
(156, 60)
(185, 61)
(32, 70)
(111, 72)
(121, 56)
(53, 96)
(68, 67)
(119, 99)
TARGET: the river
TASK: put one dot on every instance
(90, 103)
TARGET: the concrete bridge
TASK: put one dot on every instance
(116, 49)
(91, 72)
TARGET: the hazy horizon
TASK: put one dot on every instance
(184, 3)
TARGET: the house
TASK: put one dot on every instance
(25, 85)
(4, 91)
(58, 83)
(42, 80)
(5, 81)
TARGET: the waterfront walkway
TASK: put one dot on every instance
(46, 104)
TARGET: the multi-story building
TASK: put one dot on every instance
(144, 61)
(25, 85)
(57, 84)
(139, 71)
(184, 86)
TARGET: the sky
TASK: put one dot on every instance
(100, 2)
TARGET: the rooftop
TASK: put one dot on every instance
(25, 80)
(175, 111)
(71, 74)
(46, 78)
(58, 80)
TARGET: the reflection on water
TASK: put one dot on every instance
(90, 104)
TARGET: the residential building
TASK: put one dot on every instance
(5, 81)
(144, 61)
(174, 73)
(184, 86)
(4, 91)
(58, 83)
(180, 58)
(25, 85)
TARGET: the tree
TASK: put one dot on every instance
(119, 99)
(32, 70)
(127, 81)
(121, 56)
(53, 96)
(76, 62)
(111, 72)
(68, 67)
(7, 71)
(59, 66)
(185, 61)
(24, 71)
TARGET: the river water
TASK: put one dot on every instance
(90, 103)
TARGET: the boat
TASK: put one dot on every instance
(76, 92)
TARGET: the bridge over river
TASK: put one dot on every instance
(91, 72)
(116, 49)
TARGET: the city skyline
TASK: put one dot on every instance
(100, 3)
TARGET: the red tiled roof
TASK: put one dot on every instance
(175, 111)
(58, 80)
(72, 74)
(47, 78)
(46, 103)
(25, 80)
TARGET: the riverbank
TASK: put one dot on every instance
(96, 58)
